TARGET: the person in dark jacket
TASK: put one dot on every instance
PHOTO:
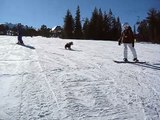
(20, 34)
(127, 38)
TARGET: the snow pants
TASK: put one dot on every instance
(126, 45)
(20, 39)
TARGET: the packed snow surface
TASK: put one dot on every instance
(43, 81)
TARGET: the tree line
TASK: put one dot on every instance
(101, 25)
(6, 29)
(149, 28)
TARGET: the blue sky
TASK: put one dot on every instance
(51, 12)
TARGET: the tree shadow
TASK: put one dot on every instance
(155, 66)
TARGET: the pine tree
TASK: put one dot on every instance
(111, 24)
(44, 31)
(152, 14)
(118, 27)
(93, 31)
(106, 26)
(100, 25)
(68, 25)
(114, 29)
(78, 26)
(2, 29)
(143, 31)
(158, 27)
(148, 28)
(154, 25)
(86, 29)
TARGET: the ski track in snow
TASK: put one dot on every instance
(51, 83)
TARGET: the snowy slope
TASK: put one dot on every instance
(51, 83)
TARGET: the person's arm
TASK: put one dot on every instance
(120, 39)
(132, 39)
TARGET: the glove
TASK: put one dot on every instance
(132, 44)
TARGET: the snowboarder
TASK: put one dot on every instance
(68, 45)
(127, 38)
(19, 32)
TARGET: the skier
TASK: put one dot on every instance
(127, 38)
(19, 31)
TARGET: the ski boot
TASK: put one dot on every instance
(125, 60)
(135, 60)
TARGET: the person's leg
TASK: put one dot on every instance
(133, 51)
(20, 39)
(125, 54)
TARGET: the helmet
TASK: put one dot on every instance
(125, 26)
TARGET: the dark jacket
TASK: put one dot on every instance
(127, 36)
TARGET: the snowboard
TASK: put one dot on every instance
(116, 61)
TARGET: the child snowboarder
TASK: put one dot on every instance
(127, 38)
(68, 45)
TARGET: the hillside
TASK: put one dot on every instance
(51, 83)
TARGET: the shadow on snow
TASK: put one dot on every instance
(155, 66)
(28, 46)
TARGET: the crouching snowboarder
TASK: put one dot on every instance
(68, 45)
(127, 38)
